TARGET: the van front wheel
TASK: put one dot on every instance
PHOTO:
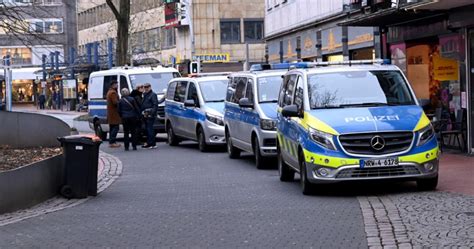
(428, 184)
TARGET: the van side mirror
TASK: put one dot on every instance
(245, 103)
(290, 111)
(190, 103)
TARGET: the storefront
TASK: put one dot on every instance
(326, 44)
(433, 59)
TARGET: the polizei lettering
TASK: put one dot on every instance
(372, 118)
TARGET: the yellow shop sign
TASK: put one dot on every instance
(221, 57)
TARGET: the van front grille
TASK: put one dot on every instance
(361, 143)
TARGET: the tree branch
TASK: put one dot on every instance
(114, 9)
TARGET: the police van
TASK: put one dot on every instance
(356, 120)
(127, 77)
(250, 113)
(194, 109)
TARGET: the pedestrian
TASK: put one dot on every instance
(137, 94)
(129, 113)
(149, 110)
(113, 117)
(42, 101)
(54, 99)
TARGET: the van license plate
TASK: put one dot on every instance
(382, 162)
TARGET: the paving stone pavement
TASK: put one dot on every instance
(178, 197)
(110, 168)
(419, 220)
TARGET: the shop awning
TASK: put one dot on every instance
(389, 17)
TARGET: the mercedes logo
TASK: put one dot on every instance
(377, 143)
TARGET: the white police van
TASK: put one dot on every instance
(127, 77)
(251, 111)
(195, 109)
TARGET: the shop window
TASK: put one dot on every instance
(230, 31)
(253, 31)
(19, 56)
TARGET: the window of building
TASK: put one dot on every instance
(46, 2)
(253, 30)
(230, 31)
(153, 39)
(48, 26)
(19, 56)
(169, 39)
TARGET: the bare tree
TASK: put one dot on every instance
(122, 14)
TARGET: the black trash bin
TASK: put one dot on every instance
(81, 161)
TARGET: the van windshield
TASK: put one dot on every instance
(268, 88)
(213, 90)
(358, 89)
(158, 81)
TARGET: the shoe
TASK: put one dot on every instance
(153, 147)
(126, 149)
(134, 148)
(114, 145)
(146, 146)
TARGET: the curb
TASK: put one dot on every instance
(112, 169)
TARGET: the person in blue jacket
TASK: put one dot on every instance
(129, 113)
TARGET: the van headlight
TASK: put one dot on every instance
(425, 134)
(268, 124)
(215, 119)
(322, 138)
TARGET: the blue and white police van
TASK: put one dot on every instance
(127, 77)
(352, 121)
(251, 113)
(194, 109)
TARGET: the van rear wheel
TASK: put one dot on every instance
(285, 172)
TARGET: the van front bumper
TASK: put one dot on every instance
(215, 134)
(404, 171)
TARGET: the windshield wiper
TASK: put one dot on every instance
(329, 107)
(369, 104)
(215, 101)
(269, 101)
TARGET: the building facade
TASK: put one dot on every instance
(48, 26)
(176, 32)
(433, 43)
(309, 31)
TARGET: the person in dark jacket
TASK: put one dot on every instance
(149, 111)
(129, 113)
(137, 94)
(42, 101)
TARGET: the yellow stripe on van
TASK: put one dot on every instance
(421, 157)
(315, 123)
(422, 123)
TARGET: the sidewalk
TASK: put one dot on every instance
(456, 174)
(66, 116)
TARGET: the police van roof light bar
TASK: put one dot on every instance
(200, 75)
(353, 62)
